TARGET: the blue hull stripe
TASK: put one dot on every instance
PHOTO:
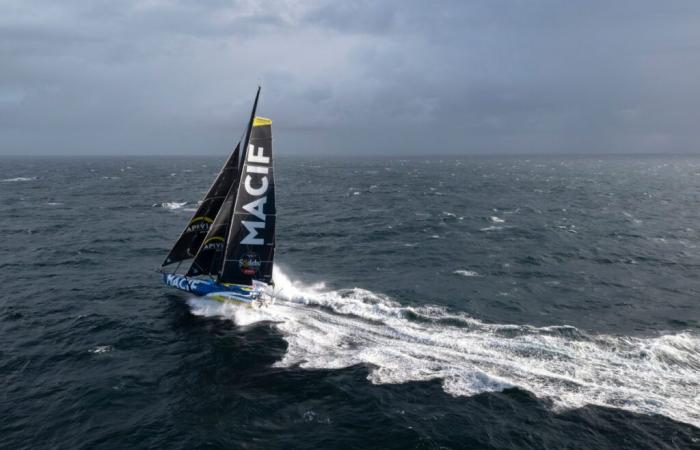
(206, 287)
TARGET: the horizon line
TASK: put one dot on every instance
(352, 155)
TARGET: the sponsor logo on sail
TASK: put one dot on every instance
(215, 243)
(249, 263)
(256, 185)
(199, 225)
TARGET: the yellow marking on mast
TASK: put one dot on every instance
(261, 121)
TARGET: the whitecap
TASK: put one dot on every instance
(102, 349)
(491, 228)
(466, 273)
(495, 219)
(171, 205)
(567, 228)
(18, 179)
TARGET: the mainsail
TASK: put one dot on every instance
(250, 245)
(199, 225)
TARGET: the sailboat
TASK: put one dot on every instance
(230, 239)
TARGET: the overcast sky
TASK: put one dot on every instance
(366, 77)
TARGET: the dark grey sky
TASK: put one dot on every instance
(376, 77)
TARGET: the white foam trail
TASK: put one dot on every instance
(14, 180)
(335, 329)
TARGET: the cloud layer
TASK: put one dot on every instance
(363, 77)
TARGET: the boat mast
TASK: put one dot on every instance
(241, 161)
(248, 131)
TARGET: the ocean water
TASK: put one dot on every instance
(485, 303)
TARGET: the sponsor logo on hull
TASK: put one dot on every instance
(184, 283)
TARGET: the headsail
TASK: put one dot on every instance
(199, 225)
(210, 256)
(251, 240)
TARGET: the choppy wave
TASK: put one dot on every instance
(101, 349)
(466, 273)
(14, 180)
(491, 228)
(171, 205)
(328, 329)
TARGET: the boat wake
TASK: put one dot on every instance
(328, 329)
